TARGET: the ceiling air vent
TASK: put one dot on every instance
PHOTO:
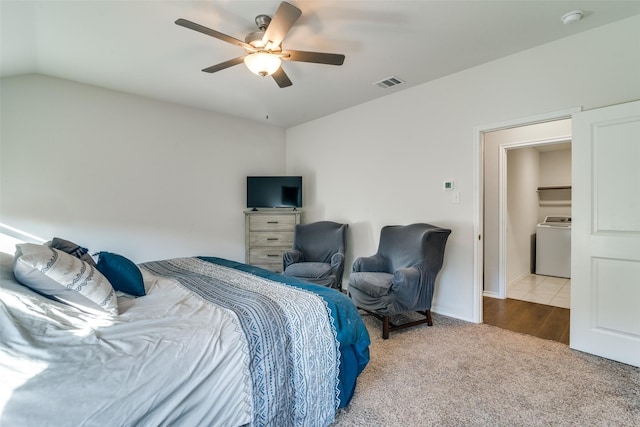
(389, 82)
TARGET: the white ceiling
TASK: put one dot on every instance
(135, 47)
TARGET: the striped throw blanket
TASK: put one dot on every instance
(293, 350)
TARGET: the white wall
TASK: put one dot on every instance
(555, 167)
(384, 161)
(522, 210)
(555, 170)
(122, 173)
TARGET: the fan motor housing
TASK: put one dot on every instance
(263, 21)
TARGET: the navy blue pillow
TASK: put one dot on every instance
(122, 273)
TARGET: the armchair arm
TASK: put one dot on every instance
(406, 285)
(405, 277)
(337, 261)
(291, 257)
(374, 263)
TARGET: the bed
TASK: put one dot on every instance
(212, 342)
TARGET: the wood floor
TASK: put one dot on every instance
(539, 320)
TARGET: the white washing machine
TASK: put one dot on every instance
(553, 246)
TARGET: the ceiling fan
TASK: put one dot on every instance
(264, 47)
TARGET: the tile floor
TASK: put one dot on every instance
(555, 291)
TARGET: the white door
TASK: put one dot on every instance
(605, 280)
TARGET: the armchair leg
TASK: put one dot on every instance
(388, 327)
(429, 319)
(385, 327)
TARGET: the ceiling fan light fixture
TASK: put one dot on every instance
(262, 63)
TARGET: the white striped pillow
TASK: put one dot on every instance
(65, 278)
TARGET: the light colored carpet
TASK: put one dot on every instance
(463, 374)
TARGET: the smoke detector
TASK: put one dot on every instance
(572, 17)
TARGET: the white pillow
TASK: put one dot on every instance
(65, 278)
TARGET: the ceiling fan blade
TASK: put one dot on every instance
(316, 57)
(281, 78)
(213, 33)
(281, 23)
(225, 64)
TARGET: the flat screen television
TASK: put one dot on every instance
(274, 192)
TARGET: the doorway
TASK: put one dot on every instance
(538, 212)
(506, 233)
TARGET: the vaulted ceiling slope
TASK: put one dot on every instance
(135, 47)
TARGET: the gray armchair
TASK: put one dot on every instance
(317, 254)
(401, 276)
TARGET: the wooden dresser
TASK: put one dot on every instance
(268, 234)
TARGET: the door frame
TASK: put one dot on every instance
(478, 148)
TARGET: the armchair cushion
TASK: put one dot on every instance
(373, 284)
(309, 270)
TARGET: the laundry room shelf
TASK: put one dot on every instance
(554, 195)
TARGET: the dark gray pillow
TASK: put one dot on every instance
(72, 249)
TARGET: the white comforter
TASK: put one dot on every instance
(154, 350)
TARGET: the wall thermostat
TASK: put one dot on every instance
(448, 185)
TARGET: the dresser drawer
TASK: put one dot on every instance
(259, 256)
(273, 222)
(271, 238)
